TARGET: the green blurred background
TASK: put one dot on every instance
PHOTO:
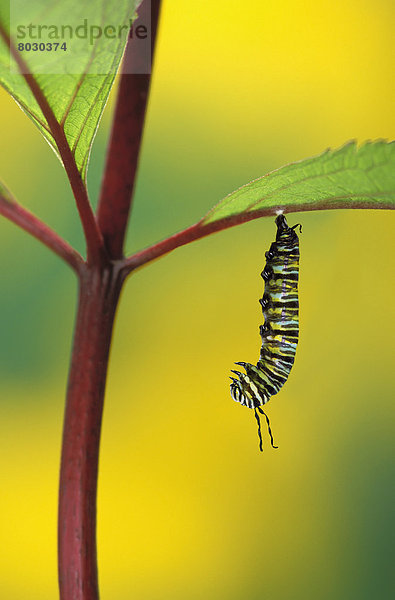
(188, 507)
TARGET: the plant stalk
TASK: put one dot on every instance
(202, 228)
(101, 281)
(93, 236)
(126, 137)
(99, 293)
(22, 217)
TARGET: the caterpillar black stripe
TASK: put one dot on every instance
(280, 331)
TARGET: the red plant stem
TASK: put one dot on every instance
(202, 229)
(99, 292)
(94, 239)
(126, 136)
(100, 286)
(30, 223)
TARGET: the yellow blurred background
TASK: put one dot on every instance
(188, 506)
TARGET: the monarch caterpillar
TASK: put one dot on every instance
(280, 331)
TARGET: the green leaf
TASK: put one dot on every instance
(349, 177)
(75, 82)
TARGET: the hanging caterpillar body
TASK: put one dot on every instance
(280, 331)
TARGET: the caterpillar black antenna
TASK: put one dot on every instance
(259, 430)
(268, 428)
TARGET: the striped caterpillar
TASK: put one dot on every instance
(280, 331)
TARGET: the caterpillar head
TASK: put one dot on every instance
(240, 389)
(236, 388)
